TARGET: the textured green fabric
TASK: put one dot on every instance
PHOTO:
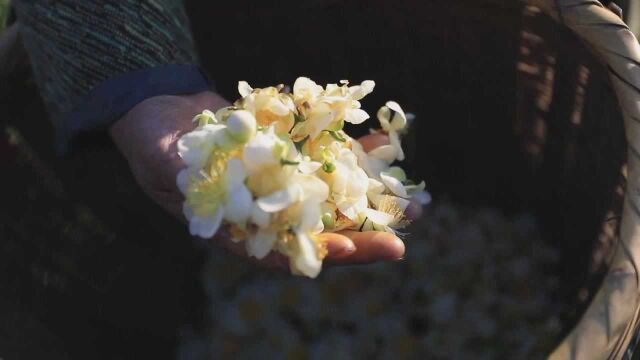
(4, 13)
(76, 44)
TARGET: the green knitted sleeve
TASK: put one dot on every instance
(75, 45)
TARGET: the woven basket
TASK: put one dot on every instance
(608, 329)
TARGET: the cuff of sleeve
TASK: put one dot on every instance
(114, 97)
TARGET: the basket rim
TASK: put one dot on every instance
(609, 325)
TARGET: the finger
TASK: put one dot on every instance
(372, 141)
(338, 245)
(372, 246)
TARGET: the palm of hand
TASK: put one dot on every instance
(147, 136)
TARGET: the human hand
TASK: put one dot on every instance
(147, 136)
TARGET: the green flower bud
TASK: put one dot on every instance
(328, 221)
(328, 167)
(326, 154)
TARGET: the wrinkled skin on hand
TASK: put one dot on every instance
(147, 136)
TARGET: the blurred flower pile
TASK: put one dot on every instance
(475, 285)
(278, 168)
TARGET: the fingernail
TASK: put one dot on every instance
(342, 250)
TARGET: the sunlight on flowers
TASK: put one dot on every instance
(278, 169)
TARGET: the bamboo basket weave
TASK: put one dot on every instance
(609, 327)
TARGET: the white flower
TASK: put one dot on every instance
(268, 105)
(322, 109)
(393, 179)
(306, 90)
(298, 239)
(283, 180)
(348, 184)
(264, 150)
(278, 168)
(376, 194)
(345, 100)
(307, 166)
(393, 120)
(196, 146)
(388, 213)
(372, 165)
(304, 251)
(261, 243)
(299, 188)
(210, 198)
(263, 157)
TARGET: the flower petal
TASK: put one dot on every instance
(394, 140)
(384, 116)
(277, 201)
(378, 200)
(304, 86)
(183, 180)
(309, 167)
(311, 188)
(415, 188)
(355, 116)
(317, 123)
(375, 186)
(394, 185)
(261, 244)
(370, 165)
(399, 120)
(238, 206)
(259, 216)
(261, 150)
(206, 227)
(278, 107)
(236, 172)
(387, 153)
(306, 261)
(379, 217)
(358, 92)
(347, 209)
(310, 215)
(195, 147)
(244, 88)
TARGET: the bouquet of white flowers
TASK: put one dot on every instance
(278, 169)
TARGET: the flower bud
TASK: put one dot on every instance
(328, 221)
(205, 118)
(329, 167)
(241, 125)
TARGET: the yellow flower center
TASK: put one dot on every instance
(205, 196)
(389, 206)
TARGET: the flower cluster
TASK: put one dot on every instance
(278, 169)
